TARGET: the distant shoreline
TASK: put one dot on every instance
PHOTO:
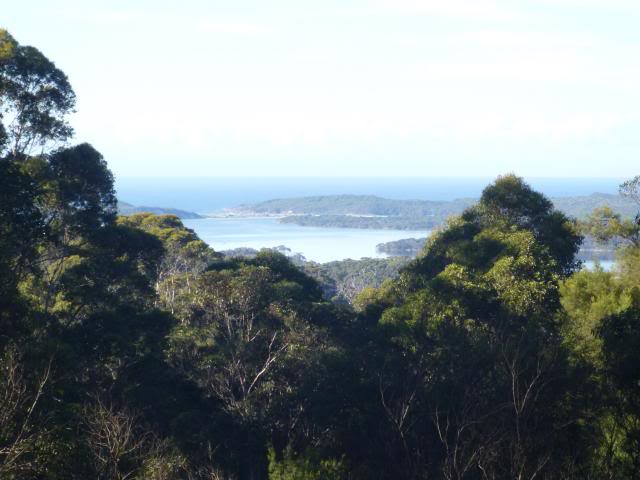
(378, 213)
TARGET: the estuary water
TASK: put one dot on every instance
(319, 244)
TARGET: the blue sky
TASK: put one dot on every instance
(348, 88)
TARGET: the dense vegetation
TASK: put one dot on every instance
(129, 349)
(125, 208)
(341, 281)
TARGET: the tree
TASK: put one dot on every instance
(185, 256)
(76, 295)
(22, 227)
(21, 417)
(35, 98)
(116, 441)
(588, 297)
(474, 376)
(507, 204)
(620, 334)
(631, 189)
(606, 226)
(82, 189)
(250, 332)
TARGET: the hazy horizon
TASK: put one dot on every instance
(211, 194)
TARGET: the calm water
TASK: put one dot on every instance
(317, 244)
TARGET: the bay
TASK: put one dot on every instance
(315, 243)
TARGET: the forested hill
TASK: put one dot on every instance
(355, 205)
(368, 211)
(581, 206)
(125, 208)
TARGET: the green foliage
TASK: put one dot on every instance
(305, 466)
(128, 209)
(184, 256)
(83, 187)
(242, 324)
(183, 250)
(474, 326)
(22, 225)
(604, 225)
(342, 281)
(587, 298)
(7, 45)
(621, 347)
(464, 242)
(628, 265)
(620, 334)
(36, 95)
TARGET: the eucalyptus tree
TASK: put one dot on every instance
(474, 378)
(35, 99)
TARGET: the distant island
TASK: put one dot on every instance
(126, 209)
(369, 211)
(356, 211)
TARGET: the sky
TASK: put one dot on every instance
(348, 88)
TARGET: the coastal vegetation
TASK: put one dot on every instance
(368, 211)
(360, 205)
(125, 208)
(356, 221)
(129, 349)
